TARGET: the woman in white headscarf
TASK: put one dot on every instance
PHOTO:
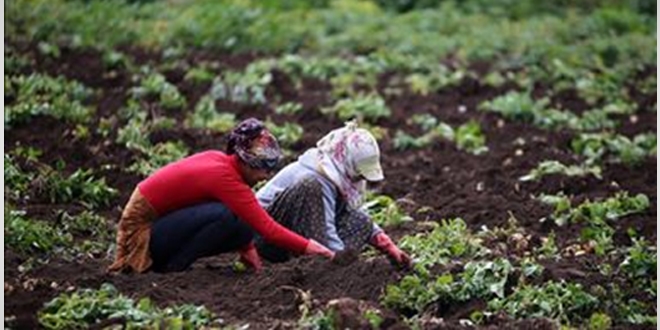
(320, 195)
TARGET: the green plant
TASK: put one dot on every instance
(113, 59)
(384, 211)
(448, 239)
(479, 279)
(566, 302)
(470, 138)
(369, 107)
(596, 215)
(403, 141)
(516, 105)
(595, 147)
(374, 318)
(640, 261)
(28, 236)
(289, 108)
(14, 62)
(16, 180)
(87, 307)
(549, 167)
(158, 156)
(425, 120)
(595, 212)
(80, 186)
(287, 134)
(199, 74)
(548, 248)
(154, 84)
(135, 134)
(39, 94)
(247, 87)
(206, 116)
(436, 78)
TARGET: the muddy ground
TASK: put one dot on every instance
(440, 177)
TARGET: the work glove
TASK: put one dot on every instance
(384, 243)
(250, 257)
(315, 247)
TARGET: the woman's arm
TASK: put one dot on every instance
(240, 199)
(329, 204)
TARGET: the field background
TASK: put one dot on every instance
(518, 141)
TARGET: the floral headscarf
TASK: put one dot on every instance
(254, 144)
(335, 157)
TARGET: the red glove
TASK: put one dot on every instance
(250, 257)
(315, 247)
(384, 243)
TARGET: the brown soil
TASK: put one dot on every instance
(483, 190)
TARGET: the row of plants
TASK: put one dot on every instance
(87, 307)
(521, 106)
(468, 136)
(595, 216)
(450, 270)
(39, 94)
(344, 25)
(51, 184)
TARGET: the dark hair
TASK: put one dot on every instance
(243, 134)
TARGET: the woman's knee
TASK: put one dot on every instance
(242, 234)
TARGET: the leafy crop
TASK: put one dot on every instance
(470, 138)
(436, 78)
(287, 134)
(596, 215)
(39, 94)
(369, 107)
(566, 302)
(158, 156)
(28, 236)
(554, 167)
(154, 85)
(289, 108)
(520, 106)
(384, 210)
(610, 209)
(597, 147)
(16, 180)
(207, 116)
(86, 225)
(467, 136)
(640, 261)
(448, 240)
(87, 307)
(479, 279)
(80, 186)
(248, 87)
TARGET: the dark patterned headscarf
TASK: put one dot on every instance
(254, 144)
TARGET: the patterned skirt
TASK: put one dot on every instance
(300, 208)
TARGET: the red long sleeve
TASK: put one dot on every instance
(214, 176)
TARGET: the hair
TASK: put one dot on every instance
(243, 134)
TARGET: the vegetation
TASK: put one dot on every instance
(87, 307)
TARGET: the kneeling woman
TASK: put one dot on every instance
(202, 205)
(321, 194)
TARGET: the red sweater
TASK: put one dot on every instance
(214, 176)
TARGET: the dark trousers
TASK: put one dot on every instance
(183, 236)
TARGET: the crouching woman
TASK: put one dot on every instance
(320, 196)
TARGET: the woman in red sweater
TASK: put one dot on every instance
(160, 228)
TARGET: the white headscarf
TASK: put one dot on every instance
(335, 158)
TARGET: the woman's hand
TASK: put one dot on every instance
(315, 247)
(250, 257)
(384, 243)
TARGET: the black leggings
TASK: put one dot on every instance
(183, 236)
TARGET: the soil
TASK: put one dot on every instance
(447, 182)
